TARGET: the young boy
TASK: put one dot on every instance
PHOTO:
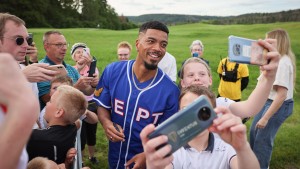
(205, 150)
(89, 116)
(55, 83)
(66, 106)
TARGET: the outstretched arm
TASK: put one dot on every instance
(22, 109)
(258, 97)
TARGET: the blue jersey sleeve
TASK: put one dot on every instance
(102, 93)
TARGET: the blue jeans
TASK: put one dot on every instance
(262, 140)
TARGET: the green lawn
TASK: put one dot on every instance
(103, 45)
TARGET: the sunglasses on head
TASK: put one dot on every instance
(21, 40)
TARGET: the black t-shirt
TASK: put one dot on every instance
(53, 142)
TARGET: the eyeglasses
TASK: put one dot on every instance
(21, 40)
(59, 45)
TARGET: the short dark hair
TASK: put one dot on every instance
(154, 25)
(199, 90)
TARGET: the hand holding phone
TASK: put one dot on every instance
(186, 124)
(248, 51)
(59, 68)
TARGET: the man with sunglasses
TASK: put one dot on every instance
(56, 46)
(14, 40)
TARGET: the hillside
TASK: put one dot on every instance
(252, 18)
(171, 18)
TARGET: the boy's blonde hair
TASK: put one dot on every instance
(72, 101)
(39, 163)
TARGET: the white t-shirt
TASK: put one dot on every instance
(168, 65)
(217, 155)
(33, 86)
(222, 101)
(23, 160)
(284, 77)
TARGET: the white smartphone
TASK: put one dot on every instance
(86, 52)
(243, 50)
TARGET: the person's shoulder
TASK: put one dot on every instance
(285, 60)
(169, 55)
(223, 101)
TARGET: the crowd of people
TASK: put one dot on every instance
(43, 113)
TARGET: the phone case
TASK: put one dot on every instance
(242, 50)
(60, 68)
(93, 66)
(187, 123)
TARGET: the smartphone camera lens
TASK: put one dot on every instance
(204, 113)
(237, 49)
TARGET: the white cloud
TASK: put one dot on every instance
(200, 7)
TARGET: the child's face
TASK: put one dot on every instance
(123, 53)
(195, 74)
(51, 107)
(54, 87)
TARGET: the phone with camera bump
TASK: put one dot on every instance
(93, 66)
(186, 124)
(248, 51)
(60, 68)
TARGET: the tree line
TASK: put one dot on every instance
(253, 18)
(256, 18)
(67, 14)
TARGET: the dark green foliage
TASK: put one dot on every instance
(66, 14)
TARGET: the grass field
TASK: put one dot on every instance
(286, 154)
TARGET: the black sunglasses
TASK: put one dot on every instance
(21, 40)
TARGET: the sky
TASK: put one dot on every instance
(201, 7)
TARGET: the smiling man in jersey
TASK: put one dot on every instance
(132, 94)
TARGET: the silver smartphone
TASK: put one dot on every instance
(248, 51)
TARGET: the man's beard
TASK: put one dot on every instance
(150, 66)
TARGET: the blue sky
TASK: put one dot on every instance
(201, 7)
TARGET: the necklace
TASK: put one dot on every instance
(132, 76)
